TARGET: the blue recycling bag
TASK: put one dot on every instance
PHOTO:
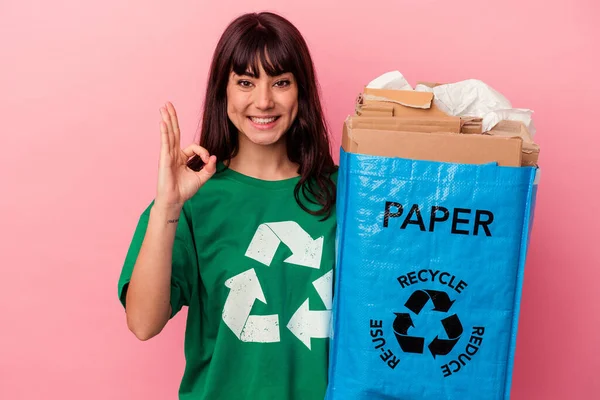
(430, 260)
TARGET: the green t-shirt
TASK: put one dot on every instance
(255, 271)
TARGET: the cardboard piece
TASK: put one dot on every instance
(375, 110)
(471, 125)
(409, 124)
(404, 102)
(432, 146)
(507, 128)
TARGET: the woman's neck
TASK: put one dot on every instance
(267, 162)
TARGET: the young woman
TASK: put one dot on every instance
(242, 228)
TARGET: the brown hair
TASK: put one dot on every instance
(279, 47)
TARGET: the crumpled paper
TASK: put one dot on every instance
(390, 80)
(468, 98)
(523, 115)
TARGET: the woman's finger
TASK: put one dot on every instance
(165, 149)
(174, 123)
(164, 136)
(209, 169)
(167, 120)
(196, 149)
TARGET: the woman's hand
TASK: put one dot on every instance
(176, 182)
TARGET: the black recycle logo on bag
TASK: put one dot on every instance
(455, 346)
(415, 344)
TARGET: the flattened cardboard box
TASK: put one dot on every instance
(434, 146)
(404, 102)
(531, 150)
(472, 125)
(409, 124)
(375, 110)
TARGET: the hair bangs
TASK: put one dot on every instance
(264, 48)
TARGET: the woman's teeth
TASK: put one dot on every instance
(263, 120)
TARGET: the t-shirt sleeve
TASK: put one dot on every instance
(184, 260)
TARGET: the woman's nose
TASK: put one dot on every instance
(263, 97)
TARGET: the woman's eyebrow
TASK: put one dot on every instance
(251, 74)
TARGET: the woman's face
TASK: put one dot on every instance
(262, 109)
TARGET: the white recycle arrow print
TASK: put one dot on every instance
(306, 251)
(244, 290)
(323, 285)
(306, 324)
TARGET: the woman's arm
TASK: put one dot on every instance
(148, 298)
(148, 305)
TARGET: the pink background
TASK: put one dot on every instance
(80, 87)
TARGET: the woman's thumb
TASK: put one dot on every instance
(209, 169)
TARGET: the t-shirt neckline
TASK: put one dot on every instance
(256, 182)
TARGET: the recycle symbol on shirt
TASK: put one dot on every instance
(245, 288)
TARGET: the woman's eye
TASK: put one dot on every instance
(283, 83)
(244, 83)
